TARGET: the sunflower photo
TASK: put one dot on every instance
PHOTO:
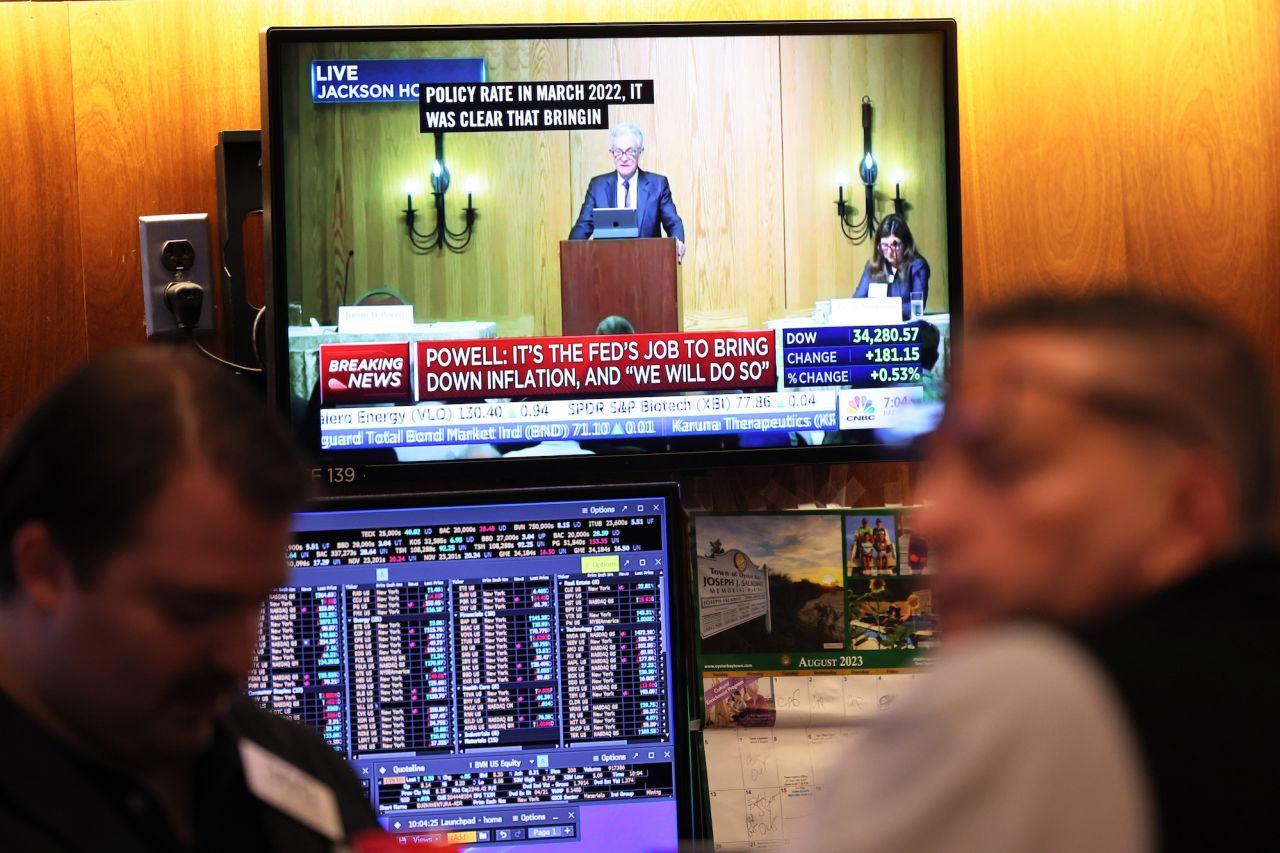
(891, 613)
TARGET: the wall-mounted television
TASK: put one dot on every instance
(689, 243)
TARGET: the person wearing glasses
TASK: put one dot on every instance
(648, 193)
(895, 262)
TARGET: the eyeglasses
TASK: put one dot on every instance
(891, 244)
(619, 153)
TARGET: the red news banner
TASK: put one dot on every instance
(595, 364)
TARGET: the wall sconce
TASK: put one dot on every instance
(440, 236)
(868, 172)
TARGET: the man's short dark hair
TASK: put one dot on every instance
(91, 457)
(1199, 381)
(615, 324)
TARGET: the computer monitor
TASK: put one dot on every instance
(464, 168)
(503, 670)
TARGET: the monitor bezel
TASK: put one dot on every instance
(354, 467)
(690, 822)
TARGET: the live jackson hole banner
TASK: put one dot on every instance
(454, 95)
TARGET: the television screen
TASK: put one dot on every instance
(498, 670)
(536, 241)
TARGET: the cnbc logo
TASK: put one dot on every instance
(873, 408)
(859, 408)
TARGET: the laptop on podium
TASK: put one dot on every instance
(614, 223)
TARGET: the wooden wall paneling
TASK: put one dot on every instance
(359, 160)
(154, 83)
(344, 12)
(512, 271)
(911, 125)
(823, 82)
(1041, 173)
(733, 173)
(1099, 139)
(822, 85)
(41, 285)
(1201, 166)
(714, 132)
(301, 292)
(320, 237)
(557, 202)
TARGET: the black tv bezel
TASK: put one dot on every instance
(348, 468)
(689, 817)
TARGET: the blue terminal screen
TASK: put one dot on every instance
(497, 674)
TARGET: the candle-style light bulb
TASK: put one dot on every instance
(411, 188)
(439, 177)
(868, 170)
(472, 186)
(898, 205)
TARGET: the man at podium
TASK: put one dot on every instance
(647, 193)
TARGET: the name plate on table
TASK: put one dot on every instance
(869, 311)
(374, 319)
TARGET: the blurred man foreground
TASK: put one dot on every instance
(1099, 497)
(144, 518)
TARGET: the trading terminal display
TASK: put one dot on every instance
(471, 668)
(300, 671)
(503, 634)
(613, 660)
(398, 648)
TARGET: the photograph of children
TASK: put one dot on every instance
(797, 602)
(913, 549)
(733, 700)
(871, 544)
(891, 613)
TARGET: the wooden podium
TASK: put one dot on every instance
(633, 278)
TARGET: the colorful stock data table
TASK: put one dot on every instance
(496, 674)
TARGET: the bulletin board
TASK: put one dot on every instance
(806, 626)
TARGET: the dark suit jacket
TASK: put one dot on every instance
(654, 206)
(916, 279)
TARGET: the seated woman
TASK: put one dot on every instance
(895, 262)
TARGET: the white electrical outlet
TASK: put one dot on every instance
(153, 233)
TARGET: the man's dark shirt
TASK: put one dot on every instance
(1195, 667)
(52, 799)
